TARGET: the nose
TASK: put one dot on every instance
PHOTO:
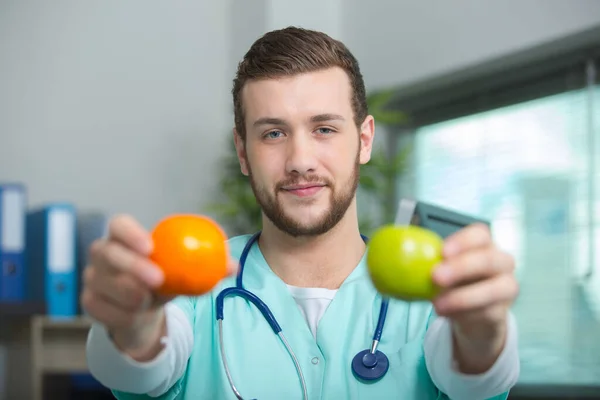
(301, 157)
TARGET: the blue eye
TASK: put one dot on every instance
(273, 134)
(325, 131)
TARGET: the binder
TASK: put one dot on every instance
(91, 225)
(13, 208)
(51, 248)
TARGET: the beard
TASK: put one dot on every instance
(340, 200)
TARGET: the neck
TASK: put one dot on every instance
(323, 261)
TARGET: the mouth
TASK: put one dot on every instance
(304, 190)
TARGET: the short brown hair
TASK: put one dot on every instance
(292, 51)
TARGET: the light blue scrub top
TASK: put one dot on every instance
(261, 367)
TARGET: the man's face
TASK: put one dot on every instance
(303, 150)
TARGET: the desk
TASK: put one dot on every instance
(57, 347)
(36, 346)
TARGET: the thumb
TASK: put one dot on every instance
(157, 301)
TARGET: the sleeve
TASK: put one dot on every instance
(127, 378)
(495, 383)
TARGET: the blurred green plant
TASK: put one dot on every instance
(379, 177)
(236, 207)
(378, 181)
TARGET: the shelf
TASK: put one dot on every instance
(66, 323)
(18, 309)
(59, 343)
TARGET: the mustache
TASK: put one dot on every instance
(303, 180)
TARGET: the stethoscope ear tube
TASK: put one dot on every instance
(251, 297)
(224, 361)
(266, 312)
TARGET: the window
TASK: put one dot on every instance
(532, 168)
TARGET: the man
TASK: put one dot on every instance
(301, 131)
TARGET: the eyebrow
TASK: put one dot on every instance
(327, 117)
(315, 118)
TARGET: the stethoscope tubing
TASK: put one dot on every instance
(368, 364)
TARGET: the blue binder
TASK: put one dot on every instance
(52, 258)
(13, 208)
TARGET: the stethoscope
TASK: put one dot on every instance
(368, 365)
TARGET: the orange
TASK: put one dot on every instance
(192, 252)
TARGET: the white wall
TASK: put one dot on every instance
(400, 42)
(125, 105)
(119, 105)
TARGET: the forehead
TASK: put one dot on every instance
(299, 96)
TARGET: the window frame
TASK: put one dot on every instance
(549, 69)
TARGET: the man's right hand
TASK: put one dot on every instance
(119, 289)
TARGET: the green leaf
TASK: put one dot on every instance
(378, 103)
(379, 99)
(390, 117)
(368, 182)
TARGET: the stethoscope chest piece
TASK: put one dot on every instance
(370, 366)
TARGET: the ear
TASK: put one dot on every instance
(240, 149)
(367, 135)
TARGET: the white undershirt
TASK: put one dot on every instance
(313, 303)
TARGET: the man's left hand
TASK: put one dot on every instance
(478, 289)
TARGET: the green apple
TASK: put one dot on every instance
(401, 259)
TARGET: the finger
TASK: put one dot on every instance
(472, 266)
(114, 257)
(232, 267)
(501, 288)
(104, 311)
(122, 290)
(130, 233)
(473, 236)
